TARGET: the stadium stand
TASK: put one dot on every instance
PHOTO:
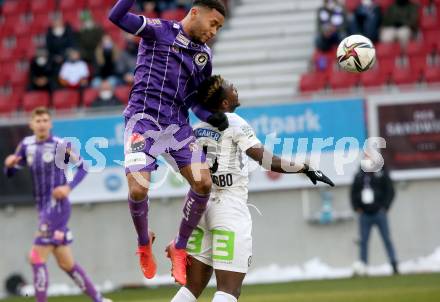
(418, 62)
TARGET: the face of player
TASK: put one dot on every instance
(41, 125)
(232, 101)
(205, 23)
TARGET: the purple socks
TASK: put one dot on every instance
(80, 278)
(139, 214)
(41, 281)
(193, 210)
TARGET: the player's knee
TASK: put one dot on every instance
(138, 193)
(203, 186)
(34, 257)
(65, 266)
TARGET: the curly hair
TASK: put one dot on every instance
(211, 92)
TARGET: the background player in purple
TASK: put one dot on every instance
(173, 60)
(47, 157)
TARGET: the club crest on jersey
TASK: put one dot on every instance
(182, 39)
(201, 59)
(136, 143)
(48, 157)
(204, 132)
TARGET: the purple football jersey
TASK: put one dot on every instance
(169, 68)
(47, 162)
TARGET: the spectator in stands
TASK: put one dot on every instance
(149, 9)
(106, 96)
(89, 37)
(106, 56)
(127, 60)
(41, 71)
(59, 38)
(372, 193)
(400, 22)
(366, 20)
(74, 72)
(331, 25)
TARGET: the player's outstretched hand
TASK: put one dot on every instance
(316, 175)
(61, 192)
(219, 120)
(12, 160)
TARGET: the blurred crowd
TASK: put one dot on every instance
(399, 22)
(88, 56)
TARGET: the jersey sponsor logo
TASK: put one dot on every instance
(201, 59)
(247, 130)
(154, 22)
(48, 157)
(182, 39)
(136, 143)
(134, 159)
(204, 132)
(223, 245)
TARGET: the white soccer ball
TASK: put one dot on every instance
(356, 53)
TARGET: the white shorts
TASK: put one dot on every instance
(223, 238)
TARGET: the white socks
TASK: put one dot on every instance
(223, 297)
(184, 295)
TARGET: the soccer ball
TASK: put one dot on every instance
(356, 53)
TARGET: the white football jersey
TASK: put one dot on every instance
(226, 154)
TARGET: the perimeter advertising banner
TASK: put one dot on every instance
(410, 125)
(330, 133)
(412, 133)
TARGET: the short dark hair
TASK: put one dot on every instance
(40, 111)
(211, 92)
(213, 4)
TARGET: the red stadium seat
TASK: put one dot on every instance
(404, 76)
(122, 93)
(432, 38)
(415, 48)
(9, 103)
(385, 4)
(175, 14)
(429, 22)
(373, 78)
(343, 80)
(418, 63)
(70, 5)
(40, 22)
(93, 4)
(387, 50)
(19, 79)
(351, 5)
(42, 6)
(89, 95)
(386, 66)
(66, 99)
(35, 99)
(72, 18)
(312, 82)
(14, 8)
(432, 74)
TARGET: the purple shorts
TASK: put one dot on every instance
(145, 140)
(59, 237)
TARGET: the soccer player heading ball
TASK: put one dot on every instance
(173, 60)
(222, 241)
(47, 157)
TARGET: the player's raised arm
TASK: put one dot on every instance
(15, 162)
(277, 164)
(129, 22)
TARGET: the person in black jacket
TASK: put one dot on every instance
(371, 196)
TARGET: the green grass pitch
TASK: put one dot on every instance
(404, 288)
